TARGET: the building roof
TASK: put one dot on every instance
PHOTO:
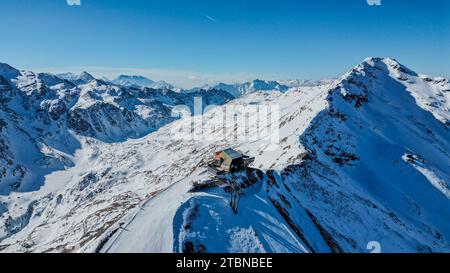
(233, 153)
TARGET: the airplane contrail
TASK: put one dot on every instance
(210, 18)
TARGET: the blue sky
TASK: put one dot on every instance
(195, 42)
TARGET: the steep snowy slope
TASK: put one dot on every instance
(379, 161)
(362, 159)
(32, 141)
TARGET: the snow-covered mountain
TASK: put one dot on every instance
(238, 89)
(133, 81)
(141, 81)
(165, 85)
(82, 78)
(360, 160)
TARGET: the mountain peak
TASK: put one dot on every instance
(379, 59)
(82, 78)
(8, 71)
(390, 64)
(5, 66)
(162, 85)
(387, 78)
(86, 76)
(264, 85)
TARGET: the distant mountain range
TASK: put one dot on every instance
(235, 89)
(238, 89)
(121, 80)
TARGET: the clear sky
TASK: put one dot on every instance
(191, 42)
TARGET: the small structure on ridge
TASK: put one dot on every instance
(229, 161)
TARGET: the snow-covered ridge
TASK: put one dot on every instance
(357, 145)
(235, 89)
(362, 159)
